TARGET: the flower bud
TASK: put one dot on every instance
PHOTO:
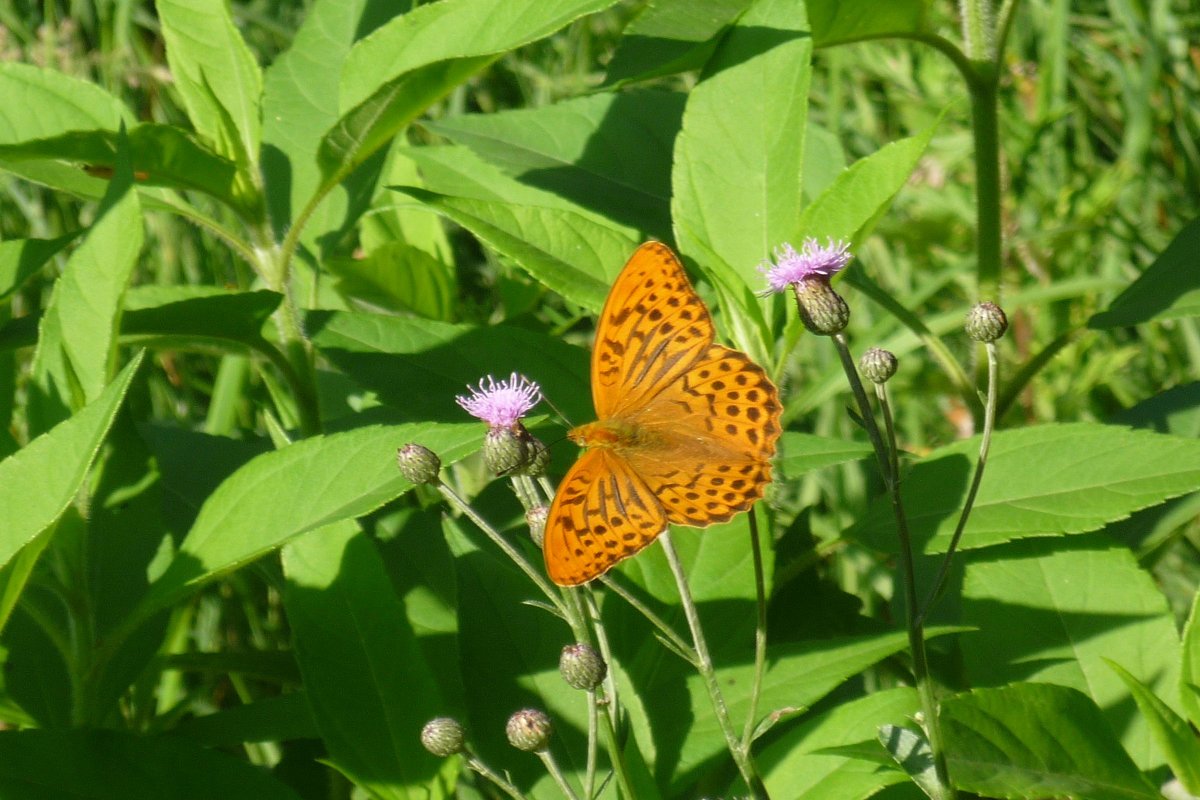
(986, 322)
(529, 730)
(581, 666)
(822, 310)
(443, 736)
(878, 365)
(504, 451)
(537, 456)
(536, 517)
(417, 463)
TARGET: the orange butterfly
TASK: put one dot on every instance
(686, 428)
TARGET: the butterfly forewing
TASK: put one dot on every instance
(603, 512)
(653, 327)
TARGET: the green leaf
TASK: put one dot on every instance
(272, 719)
(419, 366)
(1168, 289)
(671, 36)
(40, 480)
(811, 762)
(398, 276)
(911, 751)
(803, 452)
(62, 104)
(370, 688)
(187, 314)
(568, 252)
(608, 153)
(110, 765)
(1036, 740)
(272, 498)
(217, 76)
(21, 258)
(1170, 730)
(86, 307)
(162, 155)
(841, 21)
(736, 180)
(453, 29)
(1189, 670)
(1044, 480)
(861, 194)
(1053, 610)
(1175, 411)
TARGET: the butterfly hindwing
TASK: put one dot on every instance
(602, 513)
(652, 328)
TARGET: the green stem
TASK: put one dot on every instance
(885, 454)
(616, 757)
(685, 650)
(552, 767)
(741, 755)
(760, 632)
(483, 769)
(986, 131)
(985, 443)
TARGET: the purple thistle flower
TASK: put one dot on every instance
(813, 260)
(501, 403)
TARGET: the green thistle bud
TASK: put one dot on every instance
(581, 666)
(417, 463)
(529, 730)
(536, 517)
(504, 450)
(986, 322)
(537, 456)
(443, 737)
(822, 310)
(878, 365)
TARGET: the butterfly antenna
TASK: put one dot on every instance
(566, 420)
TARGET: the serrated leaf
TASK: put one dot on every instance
(368, 684)
(608, 153)
(801, 763)
(112, 765)
(21, 258)
(305, 486)
(736, 179)
(803, 452)
(569, 253)
(419, 366)
(840, 21)
(1053, 610)
(1170, 730)
(1043, 480)
(862, 192)
(216, 74)
(40, 480)
(1168, 289)
(1036, 740)
(161, 155)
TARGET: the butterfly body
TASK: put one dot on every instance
(685, 432)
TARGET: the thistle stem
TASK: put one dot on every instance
(985, 444)
(760, 632)
(885, 454)
(552, 767)
(741, 755)
(685, 650)
(483, 769)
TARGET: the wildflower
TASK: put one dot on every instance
(813, 260)
(443, 736)
(501, 404)
(529, 730)
(822, 310)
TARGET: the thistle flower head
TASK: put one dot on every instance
(813, 260)
(501, 403)
(443, 736)
(529, 729)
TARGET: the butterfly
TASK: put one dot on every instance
(685, 432)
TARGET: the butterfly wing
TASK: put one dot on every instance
(652, 328)
(602, 513)
(711, 436)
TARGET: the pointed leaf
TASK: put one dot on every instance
(1170, 730)
(803, 452)
(1168, 289)
(1035, 740)
(40, 480)
(21, 258)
